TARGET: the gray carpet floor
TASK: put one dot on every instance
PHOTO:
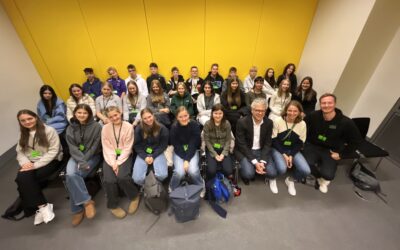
(257, 219)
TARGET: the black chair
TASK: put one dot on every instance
(368, 149)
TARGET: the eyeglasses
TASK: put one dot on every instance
(259, 110)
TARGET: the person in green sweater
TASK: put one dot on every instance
(182, 98)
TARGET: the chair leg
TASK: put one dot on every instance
(379, 162)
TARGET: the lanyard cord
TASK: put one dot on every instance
(81, 134)
(119, 134)
(33, 142)
(290, 130)
(106, 103)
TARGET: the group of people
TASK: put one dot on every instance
(127, 125)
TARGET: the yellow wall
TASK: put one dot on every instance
(64, 36)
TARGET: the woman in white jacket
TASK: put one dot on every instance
(206, 100)
(78, 97)
(280, 99)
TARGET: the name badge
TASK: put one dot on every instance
(35, 153)
(81, 147)
(333, 126)
(134, 111)
(115, 92)
(149, 150)
(287, 143)
(234, 107)
(215, 86)
(92, 95)
(185, 147)
(118, 151)
(322, 138)
(217, 145)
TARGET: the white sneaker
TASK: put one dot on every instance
(290, 185)
(203, 192)
(47, 213)
(323, 185)
(273, 186)
(38, 218)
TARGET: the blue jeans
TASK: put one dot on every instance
(248, 170)
(300, 165)
(78, 194)
(140, 169)
(179, 171)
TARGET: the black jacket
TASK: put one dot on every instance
(335, 135)
(185, 139)
(157, 144)
(245, 135)
(308, 106)
(215, 82)
(159, 77)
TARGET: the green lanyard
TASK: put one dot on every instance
(290, 130)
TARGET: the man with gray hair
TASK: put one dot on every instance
(253, 143)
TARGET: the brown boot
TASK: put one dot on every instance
(77, 218)
(90, 210)
(118, 212)
(133, 206)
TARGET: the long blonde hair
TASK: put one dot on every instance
(156, 98)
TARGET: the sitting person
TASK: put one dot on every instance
(154, 75)
(217, 137)
(194, 83)
(140, 82)
(78, 97)
(253, 143)
(117, 142)
(51, 109)
(92, 86)
(172, 84)
(38, 156)
(185, 138)
(288, 137)
(328, 133)
(288, 73)
(206, 100)
(84, 143)
(107, 99)
(133, 103)
(306, 95)
(159, 103)
(249, 80)
(215, 78)
(234, 102)
(256, 92)
(232, 74)
(151, 140)
(182, 98)
(280, 99)
(118, 84)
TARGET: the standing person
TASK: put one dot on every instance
(256, 92)
(159, 103)
(119, 86)
(133, 103)
(117, 142)
(171, 87)
(51, 109)
(306, 95)
(328, 133)
(84, 142)
(269, 78)
(185, 138)
(38, 156)
(234, 102)
(215, 78)
(154, 75)
(253, 143)
(232, 74)
(206, 100)
(107, 99)
(92, 86)
(78, 97)
(280, 99)
(249, 79)
(182, 98)
(288, 73)
(194, 83)
(151, 140)
(217, 137)
(140, 82)
(288, 137)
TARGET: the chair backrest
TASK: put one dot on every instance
(362, 124)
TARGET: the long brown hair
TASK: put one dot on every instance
(133, 99)
(218, 107)
(75, 85)
(298, 105)
(233, 96)
(86, 108)
(157, 98)
(41, 137)
(310, 93)
(149, 131)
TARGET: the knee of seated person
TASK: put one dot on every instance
(179, 174)
(193, 171)
(161, 177)
(139, 181)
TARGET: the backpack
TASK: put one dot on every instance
(155, 195)
(365, 180)
(221, 188)
(185, 202)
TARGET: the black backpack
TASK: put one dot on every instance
(155, 195)
(185, 202)
(365, 180)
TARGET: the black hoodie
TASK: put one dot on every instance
(334, 134)
(88, 135)
(216, 82)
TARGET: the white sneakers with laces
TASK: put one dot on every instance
(323, 185)
(44, 214)
(290, 184)
(273, 186)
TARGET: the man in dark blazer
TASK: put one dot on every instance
(253, 143)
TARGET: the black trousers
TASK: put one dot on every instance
(320, 161)
(213, 165)
(123, 180)
(30, 184)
